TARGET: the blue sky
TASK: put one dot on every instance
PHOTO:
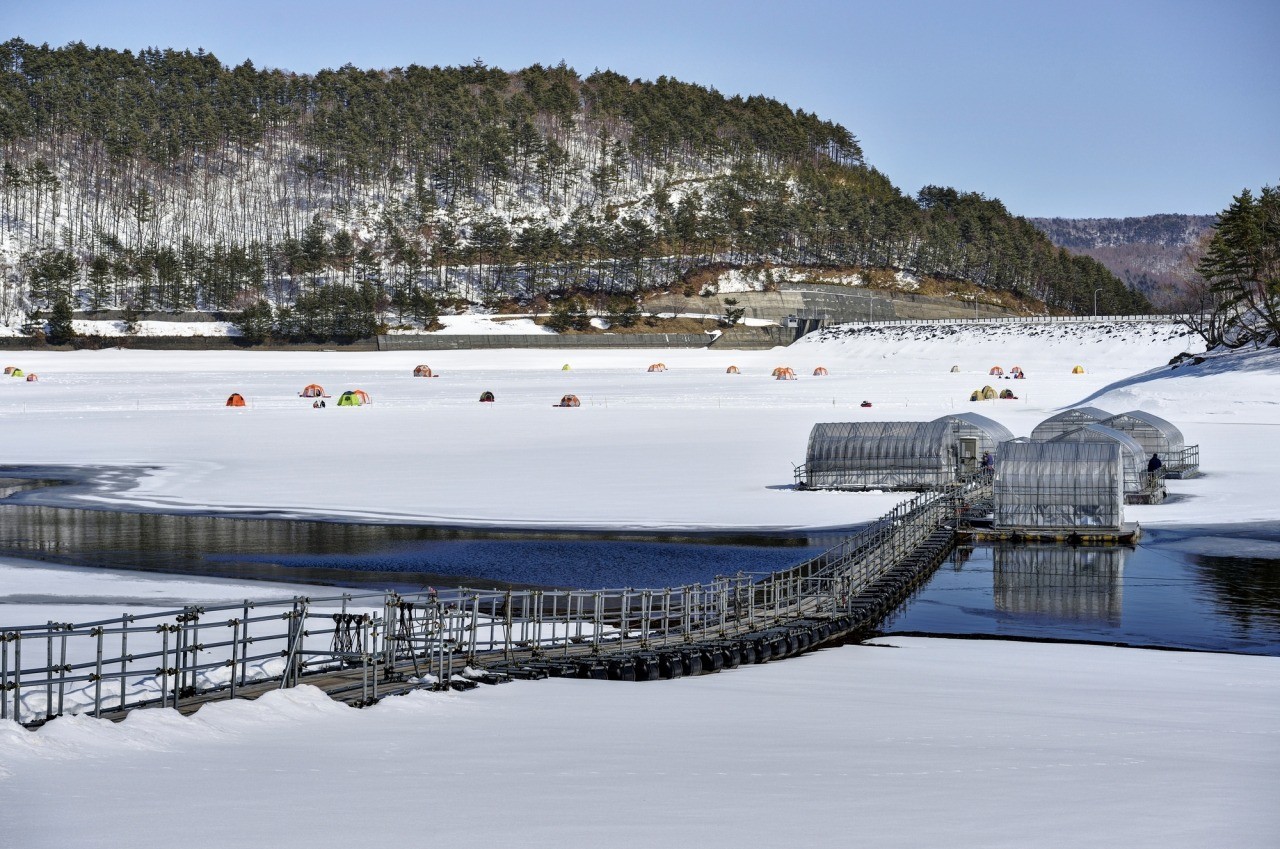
(1074, 109)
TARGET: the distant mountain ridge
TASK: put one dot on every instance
(1168, 230)
(1153, 254)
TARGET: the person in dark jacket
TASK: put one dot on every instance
(1154, 464)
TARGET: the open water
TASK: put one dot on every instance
(1215, 590)
(1166, 592)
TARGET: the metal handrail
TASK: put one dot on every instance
(208, 651)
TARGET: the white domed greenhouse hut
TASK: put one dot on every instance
(879, 455)
(1060, 489)
(1067, 421)
(1139, 487)
(974, 435)
(1157, 436)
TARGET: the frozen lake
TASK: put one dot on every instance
(1175, 590)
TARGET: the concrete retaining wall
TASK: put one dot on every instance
(449, 341)
(184, 317)
(836, 304)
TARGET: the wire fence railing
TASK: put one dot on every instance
(1034, 319)
(359, 644)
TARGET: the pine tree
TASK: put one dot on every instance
(255, 323)
(1242, 267)
(61, 331)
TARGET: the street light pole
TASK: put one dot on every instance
(1095, 301)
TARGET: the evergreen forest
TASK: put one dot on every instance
(321, 206)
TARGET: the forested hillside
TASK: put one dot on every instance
(1153, 254)
(166, 180)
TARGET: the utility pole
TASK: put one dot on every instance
(1095, 301)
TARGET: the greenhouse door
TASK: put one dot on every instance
(968, 455)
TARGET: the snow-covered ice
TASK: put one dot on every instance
(928, 742)
(925, 743)
(691, 448)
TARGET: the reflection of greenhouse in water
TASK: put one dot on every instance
(1059, 581)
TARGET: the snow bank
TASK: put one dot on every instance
(1001, 744)
(86, 327)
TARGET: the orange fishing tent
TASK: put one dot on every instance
(819, 372)
(423, 371)
(312, 390)
(236, 400)
(569, 401)
(657, 367)
(732, 370)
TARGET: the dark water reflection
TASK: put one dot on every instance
(394, 556)
(1151, 595)
(1156, 594)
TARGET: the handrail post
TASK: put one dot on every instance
(646, 612)
(475, 626)
(48, 678)
(164, 665)
(625, 621)
(62, 666)
(235, 646)
(97, 676)
(597, 620)
(17, 678)
(506, 646)
(537, 623)
(4, 675)
(124, 657)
